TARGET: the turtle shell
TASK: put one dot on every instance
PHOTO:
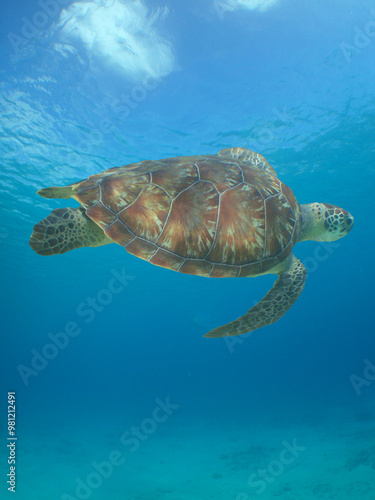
(223, 215)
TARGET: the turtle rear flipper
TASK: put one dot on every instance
(272, 307)
(66, 229)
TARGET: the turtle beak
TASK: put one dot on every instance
(348, 223)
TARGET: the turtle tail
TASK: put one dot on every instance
(64, 192)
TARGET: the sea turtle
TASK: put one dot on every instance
(220, 216)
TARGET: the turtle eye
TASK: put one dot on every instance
(326, 219)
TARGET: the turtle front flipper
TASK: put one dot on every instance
(66, 229)
(272, 307)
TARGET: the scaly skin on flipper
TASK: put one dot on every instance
(66, 229)
(272, 307)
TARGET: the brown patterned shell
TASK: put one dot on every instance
(224, 215)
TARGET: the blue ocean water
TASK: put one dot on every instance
(134, 404)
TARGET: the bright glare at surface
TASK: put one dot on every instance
(123, 34)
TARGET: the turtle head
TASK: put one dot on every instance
(324, 222)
